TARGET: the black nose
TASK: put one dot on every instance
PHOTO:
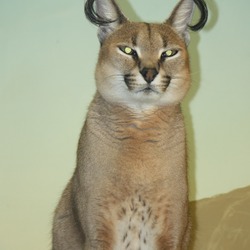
(149, 74)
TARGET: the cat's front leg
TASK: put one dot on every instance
(176, 233)
(99, 228)
(67, 233)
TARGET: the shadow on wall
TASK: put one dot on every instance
(196, 73)
(197, 78)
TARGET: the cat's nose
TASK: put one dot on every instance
(149, 74)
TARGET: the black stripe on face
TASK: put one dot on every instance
(164, 42)
(134, 40)
(149, 30)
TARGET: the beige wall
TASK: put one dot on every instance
(47, 57)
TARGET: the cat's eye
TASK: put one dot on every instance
(128, 51)
(169, 53)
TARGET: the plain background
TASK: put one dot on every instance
(48, 52)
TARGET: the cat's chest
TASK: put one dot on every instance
(138, 224)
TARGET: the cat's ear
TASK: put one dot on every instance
(106, 15)
(181, 17)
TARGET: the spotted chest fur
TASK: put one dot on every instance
(137, 226)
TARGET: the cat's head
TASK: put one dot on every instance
(142, 64)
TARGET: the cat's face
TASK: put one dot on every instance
(143, 65)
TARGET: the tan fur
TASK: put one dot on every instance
(129, 189)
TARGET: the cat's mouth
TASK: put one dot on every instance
(152, 89)
(148, 90)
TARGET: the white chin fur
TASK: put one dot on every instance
(115, 90)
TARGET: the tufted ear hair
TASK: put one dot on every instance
(181, 17)
(106, 15)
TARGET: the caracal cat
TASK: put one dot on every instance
(129, 190)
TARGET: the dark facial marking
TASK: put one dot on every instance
(134, 40)
(129, 80)
(149, 30)
(166, 81)
(164, 41)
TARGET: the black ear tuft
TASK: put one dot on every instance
(203, 15)
(93, 16)
(106, 15)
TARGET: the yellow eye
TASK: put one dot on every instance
(169, 53)
(128, 51)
